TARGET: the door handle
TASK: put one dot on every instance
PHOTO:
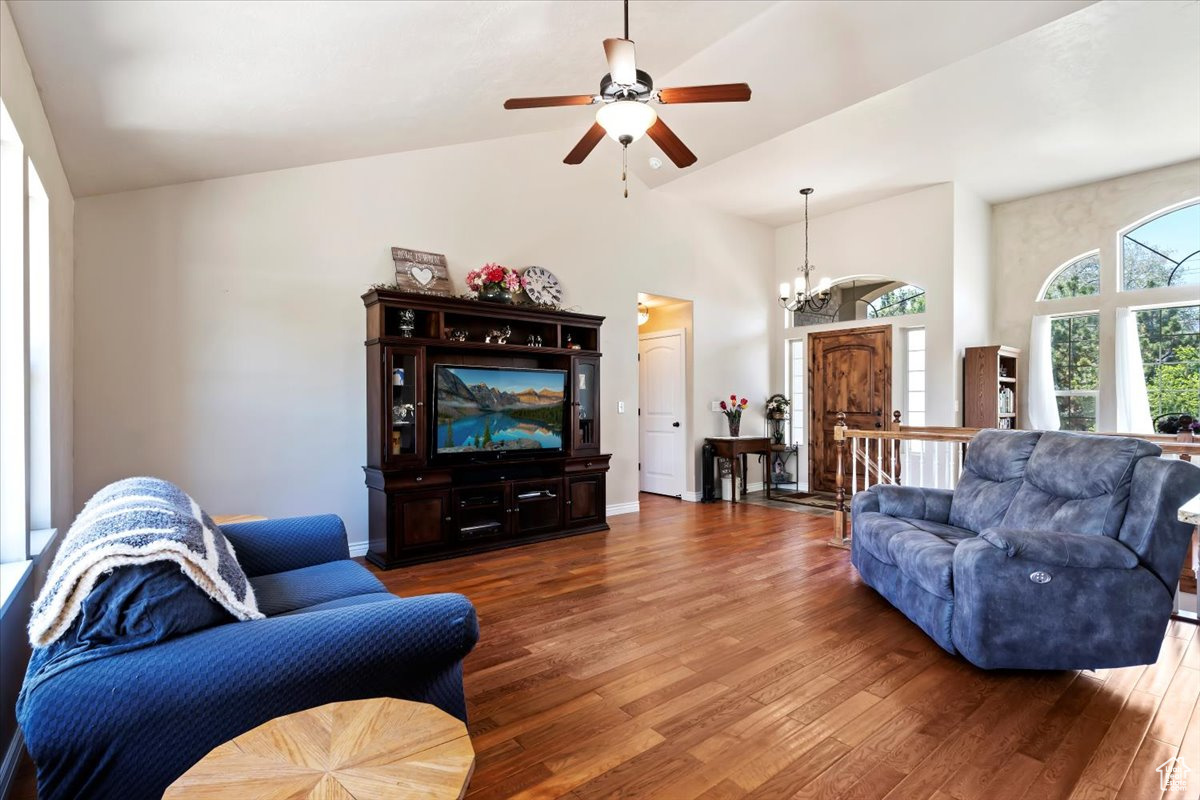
(878, 424)
(674, 424)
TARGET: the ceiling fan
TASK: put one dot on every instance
(625, 111)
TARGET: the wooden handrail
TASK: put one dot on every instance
(897, 433)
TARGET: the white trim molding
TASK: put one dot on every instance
(12, 758)
(623, 508)
(358, 549)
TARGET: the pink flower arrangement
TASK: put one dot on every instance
(490, 274)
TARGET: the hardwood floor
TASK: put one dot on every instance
(712, 651)
(721, 652)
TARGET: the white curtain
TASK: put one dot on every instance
(1133, 403)
(1043, 409)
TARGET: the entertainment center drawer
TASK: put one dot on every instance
(588, 464)
(420, 479)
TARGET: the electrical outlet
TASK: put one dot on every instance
(620, 406)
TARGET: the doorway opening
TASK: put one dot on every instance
(665, 400)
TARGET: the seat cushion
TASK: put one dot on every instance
(1077, 483)
(344, 602)
(308, 586)
(874, 532)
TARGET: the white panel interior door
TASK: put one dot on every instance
(661, 398)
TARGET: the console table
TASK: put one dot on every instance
(736, 448)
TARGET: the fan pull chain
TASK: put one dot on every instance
(625, 167)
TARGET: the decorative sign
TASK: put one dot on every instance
(417, 271)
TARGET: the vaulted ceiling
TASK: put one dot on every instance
(861, 99)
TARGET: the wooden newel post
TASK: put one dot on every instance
(896, 449)
(840, 516)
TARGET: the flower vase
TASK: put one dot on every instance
(735, 425)
(495, 293)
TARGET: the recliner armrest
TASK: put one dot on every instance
(914, 502)
(1059, 549)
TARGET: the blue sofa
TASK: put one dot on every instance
(1055, 551)
(125, 707)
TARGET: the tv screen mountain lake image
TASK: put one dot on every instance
(485, 410)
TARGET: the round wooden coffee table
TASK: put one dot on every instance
(361, 749)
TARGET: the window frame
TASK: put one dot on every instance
(1066, 265)
(1124, 232)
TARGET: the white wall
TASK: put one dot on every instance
(972, 282)
(20, 95)
(1034, 236)
(221, 342)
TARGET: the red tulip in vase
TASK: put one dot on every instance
(733, 412)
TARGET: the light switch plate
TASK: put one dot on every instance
(620, 406)
(716, 405)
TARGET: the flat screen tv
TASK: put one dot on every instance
(497, 411)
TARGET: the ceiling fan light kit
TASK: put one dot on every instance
(626, 121)
(625, 114)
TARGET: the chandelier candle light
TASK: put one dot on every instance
(806, 298)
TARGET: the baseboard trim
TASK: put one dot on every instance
(623, 508)
(691, 497)
(12, 758)
(358, 549)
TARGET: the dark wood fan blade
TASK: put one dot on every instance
(588, 143)
(715, 93)
(669, 143)
(545, 102)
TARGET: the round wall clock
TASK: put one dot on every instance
(541, 286)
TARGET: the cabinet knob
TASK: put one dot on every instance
(447, 519)
(420, 402)
(568, 502)
(588, 464)
(420, 478)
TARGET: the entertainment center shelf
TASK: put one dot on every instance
(472, 444)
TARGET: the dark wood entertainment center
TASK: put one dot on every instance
(423, 506)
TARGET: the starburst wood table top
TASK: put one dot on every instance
(357, 750)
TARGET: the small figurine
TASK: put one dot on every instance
(534, 340)
(457, 334)
(408, 322)
(499, 336)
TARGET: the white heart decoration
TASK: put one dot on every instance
(422, 275)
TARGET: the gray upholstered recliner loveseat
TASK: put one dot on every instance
(1055, 550)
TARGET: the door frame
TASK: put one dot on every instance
(813, 422)
(685, 415)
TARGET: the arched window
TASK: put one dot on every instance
(1074, 279)
(1163, 251)
(902, 300)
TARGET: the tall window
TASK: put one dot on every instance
(24, 347)
(1075, 360)
(1170, 346)
(797, 370)
(915, 388)
(1077, 278)
(13, 504)
(1164, 251)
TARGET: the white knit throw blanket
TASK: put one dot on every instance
(138, 521)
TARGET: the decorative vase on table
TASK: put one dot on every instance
(733, 413)
(494, 283)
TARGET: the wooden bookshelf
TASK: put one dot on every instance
(987, 372)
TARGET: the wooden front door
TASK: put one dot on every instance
(848, 371)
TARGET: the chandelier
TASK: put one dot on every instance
(806, 299)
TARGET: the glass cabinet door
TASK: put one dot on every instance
(406, 404)
(585, 376)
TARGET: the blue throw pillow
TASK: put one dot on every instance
(129, 608)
